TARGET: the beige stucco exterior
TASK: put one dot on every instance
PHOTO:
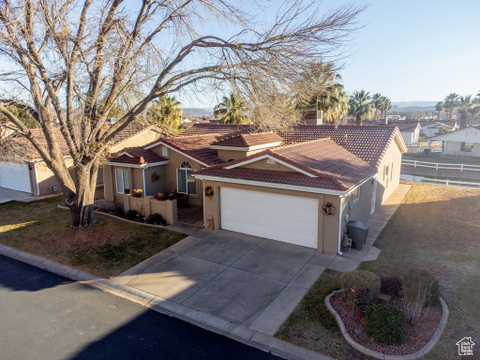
(387, 184)
(141, 139)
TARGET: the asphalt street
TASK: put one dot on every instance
(45, 316)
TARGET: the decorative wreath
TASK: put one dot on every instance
(328, 209)
(155, 176)
(209, 192)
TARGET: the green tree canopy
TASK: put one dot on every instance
(232, 110)
(360, 106)
(166, 113)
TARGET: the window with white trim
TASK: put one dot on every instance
(121, 180)
(186, 183)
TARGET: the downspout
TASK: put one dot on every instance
(143, 178)
(340, 232)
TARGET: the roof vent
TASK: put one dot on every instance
(270, 161)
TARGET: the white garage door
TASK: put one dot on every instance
(14, 176)
(285, 218)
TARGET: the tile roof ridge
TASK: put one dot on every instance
(302, 143)
(191, 136)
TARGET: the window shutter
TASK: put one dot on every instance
(181, 181)
(119, 180)
(192, 184)
(126, 182)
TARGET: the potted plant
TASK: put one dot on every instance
(127, 191)
(137, 193)
(160, 197)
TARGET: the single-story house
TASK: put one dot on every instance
(28, 172)
(410, 131)
(299, 186)
(461, 142)
(430, 129)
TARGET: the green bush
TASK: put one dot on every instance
(385, 324)
(362, 287)
(421, 285)
(132, 214)
(156, 219)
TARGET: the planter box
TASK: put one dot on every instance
(149, 205)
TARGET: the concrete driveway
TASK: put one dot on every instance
(243, 279)
(7, 195)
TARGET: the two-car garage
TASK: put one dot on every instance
(291, 219)
(15, 176)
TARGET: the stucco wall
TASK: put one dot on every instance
(263, 165)
(140, 140)
(327, 225)
(226, 155)
(385, 186)
(176, 159)
(453, 148)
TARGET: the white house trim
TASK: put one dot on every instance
(125, 153)
(255, 159)
(176, 150)
(37, 185)
(248, 148)
(272, 185)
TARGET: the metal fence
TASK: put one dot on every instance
(440, 166)
(455, 183)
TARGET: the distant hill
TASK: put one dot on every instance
(404, 104)
(198, 112)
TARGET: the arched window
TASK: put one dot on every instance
(186, 183)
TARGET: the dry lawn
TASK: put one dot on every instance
(107, 248)
(437, 228)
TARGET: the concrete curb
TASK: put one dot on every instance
(418, 354)
(219, 326)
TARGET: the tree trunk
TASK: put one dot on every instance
(81, 207)
(358, 120)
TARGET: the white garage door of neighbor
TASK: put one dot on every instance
(290, 219)
(14, 176)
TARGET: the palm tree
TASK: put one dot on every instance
(377, 103)
(439, 107)
(231, 110)
(385, 106)
(465, 105)
(450, 103)
(166, 112)
(360, 105)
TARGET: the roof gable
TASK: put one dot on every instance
(253, 141)
(468, 134)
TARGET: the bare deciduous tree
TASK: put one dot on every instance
(68, 55)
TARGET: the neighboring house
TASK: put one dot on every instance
(410, 131)
(461, 142)
(28, 172)
(268, 184)
(429, 129)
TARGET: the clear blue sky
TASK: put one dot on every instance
(417, 50)
(409, 50)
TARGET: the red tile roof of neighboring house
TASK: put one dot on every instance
(137, 156)
(29, 152)
(369, 143)
(333, 166)
(196, 146)
(249, 140)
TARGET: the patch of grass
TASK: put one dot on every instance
(106, 248)
(435, 228)
(311, 324)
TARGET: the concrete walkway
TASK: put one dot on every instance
(350, 259)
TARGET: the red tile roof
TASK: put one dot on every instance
(249, 140)
(137, 156)
(196, 146)
(369, 143)
(30, 153)
(333, 166)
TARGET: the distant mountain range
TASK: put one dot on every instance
(400, 106)
(198, 112)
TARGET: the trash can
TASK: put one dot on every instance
(357, 231)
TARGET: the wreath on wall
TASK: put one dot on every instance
(155, 176)
(328, 209)
(209, 192)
